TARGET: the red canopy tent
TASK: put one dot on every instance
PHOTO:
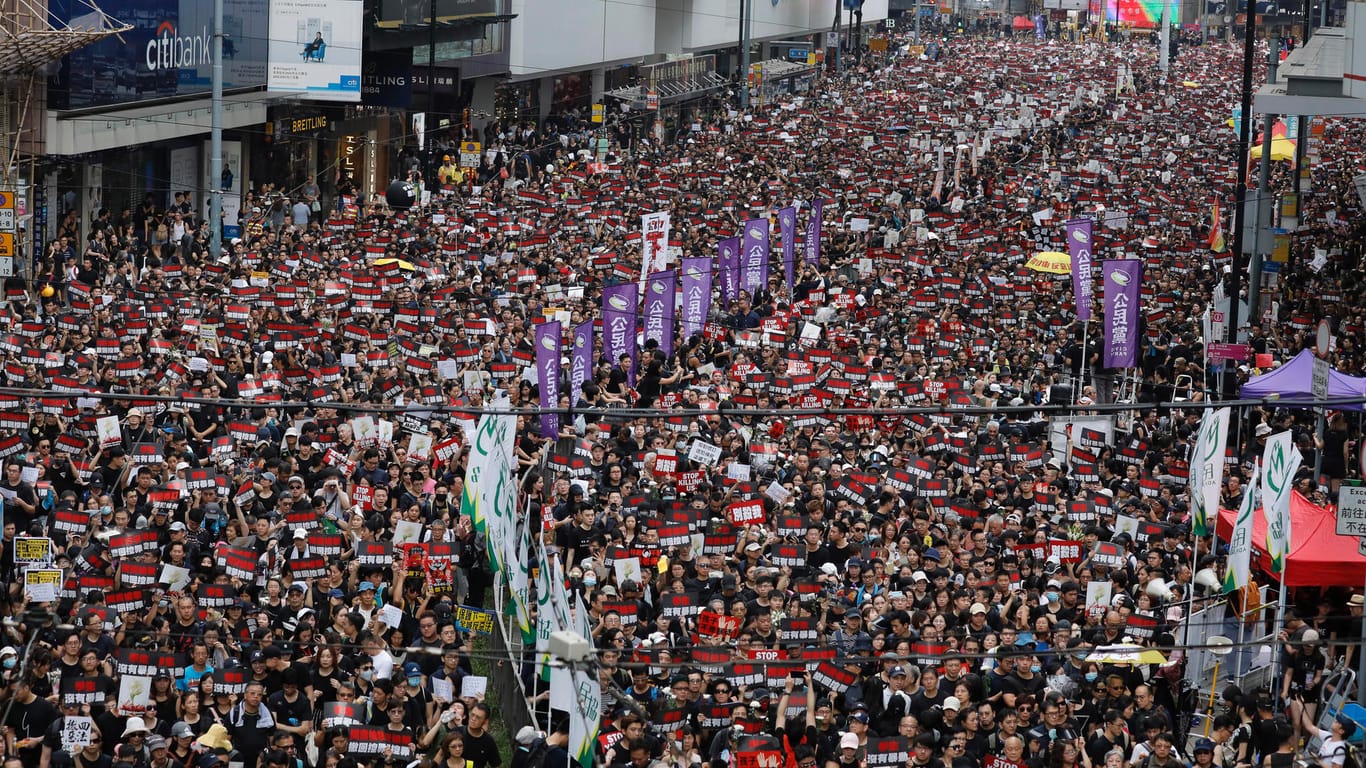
(1318, 556)
(1021, 22)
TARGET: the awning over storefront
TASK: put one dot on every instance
(672, 82)
(78, 134)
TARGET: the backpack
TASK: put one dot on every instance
(1349, 756)
(532, 755)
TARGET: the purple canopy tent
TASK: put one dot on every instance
(1291, 383)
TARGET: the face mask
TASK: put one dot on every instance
(1091, 677)
(1051, 597)
(590, 581)
(367, 674)
(10, 662)
(1034, 668)
(414, 681)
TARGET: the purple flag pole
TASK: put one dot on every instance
(548, 376)
(1122, 281)
(754, 255)
(620, 306)
(812, 246)
(1079, 247)
(696, 294)
(661, 299)
(787, 228)
(728, 267)
(581, 363)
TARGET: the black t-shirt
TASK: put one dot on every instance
(481, 751)
(1031, 687)
(31, 721)
(292, 714)
(323, 683)
(249, 738)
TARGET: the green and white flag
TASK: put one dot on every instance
(547, 618)
(1280, 461)
(491, 476)
(585, 719)
(1207, 469)
(1240, 543)
(519, 575)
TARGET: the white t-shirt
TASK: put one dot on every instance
(1332, 751)
(384, 665)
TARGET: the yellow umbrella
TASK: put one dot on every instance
(1281, 150)
(1190, 83)
(1126, 654)
(1053, 262)
(400, 262)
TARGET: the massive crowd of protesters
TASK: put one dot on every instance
(900, 596)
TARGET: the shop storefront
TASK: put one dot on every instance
(671, 96)
(361, 152)
(302, 145)
(771, 80)
(129, 116)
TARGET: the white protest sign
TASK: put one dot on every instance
(76, 732)
(704, 453)
(473, 686)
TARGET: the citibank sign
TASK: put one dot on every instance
(169, 49)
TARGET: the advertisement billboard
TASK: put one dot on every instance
(399, 13)
(315, 48)
(167, 53)
(387, 79)
(1140, 14)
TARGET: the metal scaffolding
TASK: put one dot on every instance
(29, 45)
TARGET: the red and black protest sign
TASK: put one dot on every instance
(837, 679)
(130, 661)
(629, 610)
(678, 605)
(369, 740)
(712, 624)
(720, 541)
(717, 715)
(133, 574)
(1066, 551)
(1142, 625)
(375, 554)
(341, 713)
(239, 562)
(83, 690)
(132, 544)
(801, 629)
(749, 512)
(759, 758)
(887, 751)
(215, 595)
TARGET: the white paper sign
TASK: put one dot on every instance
(135, 694)
(175, 578)
(627, 569)
(108, 431)
(391, 615)
(442, 690)
(76, 731)
(704, 453)
(777, 492)
(473, 686)
(407, 532)
(41, 584)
